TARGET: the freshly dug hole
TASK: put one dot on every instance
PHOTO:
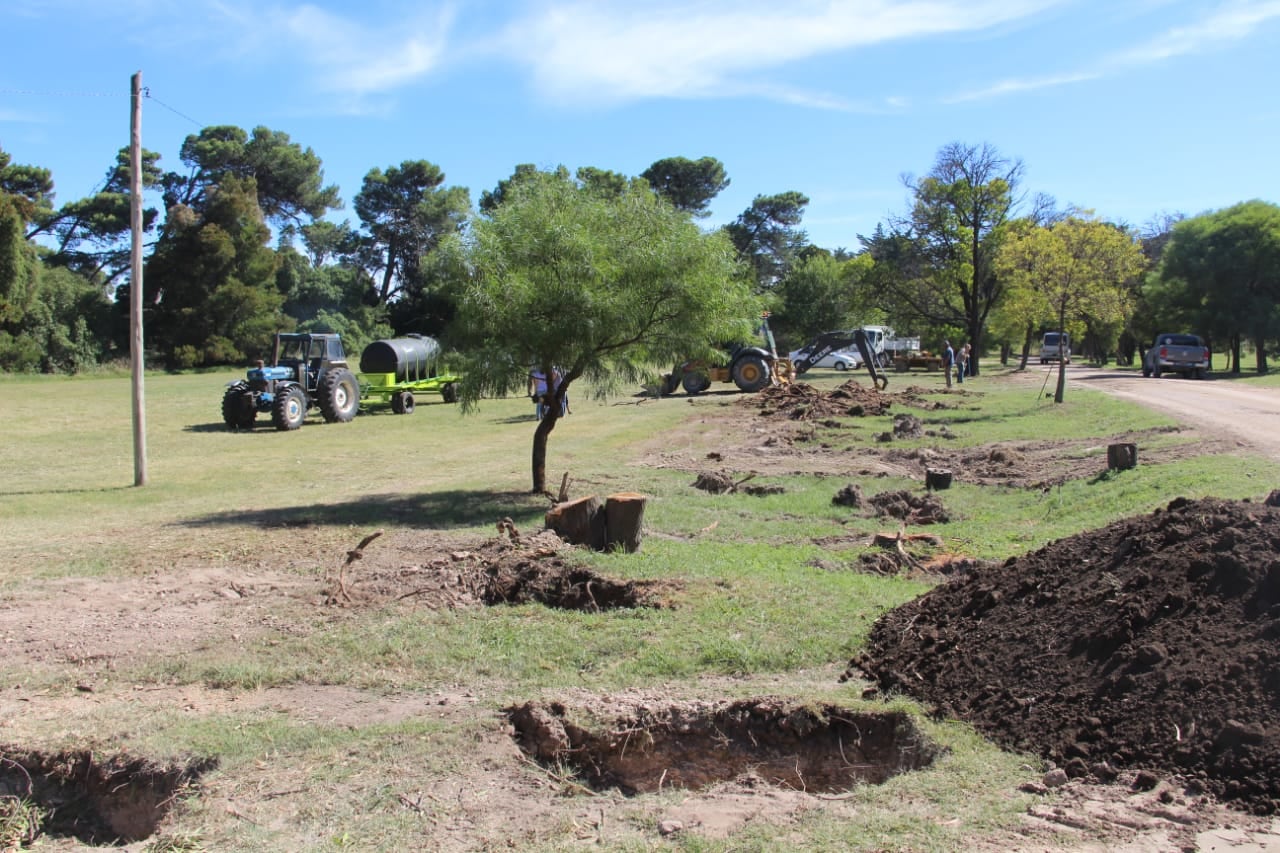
(111, 801)
(814, 749)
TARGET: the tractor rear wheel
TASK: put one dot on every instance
(289, 409)
(238, 411)
(695, 383)
(449, 393)
(751, 373)
(339, 396)
(402, 403)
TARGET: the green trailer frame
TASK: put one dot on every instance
(382, 389)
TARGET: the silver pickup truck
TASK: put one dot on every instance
(1185, 354)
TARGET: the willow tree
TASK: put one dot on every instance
(1079, 267)
(606, 287)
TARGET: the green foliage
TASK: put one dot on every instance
(1220, 275)
(214, 280)
(1074, 272)
(407, 214)
(821, 293)
(938, 262)
(605, 287)
(767, 235)
(287, 178)
(29, 188)
(689, 185)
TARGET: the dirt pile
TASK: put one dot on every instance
(802, 402)
(1148, 644)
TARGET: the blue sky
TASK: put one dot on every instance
(1133, 109)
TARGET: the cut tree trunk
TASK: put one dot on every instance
(1122, 457)
(624, 518)
(580, 522)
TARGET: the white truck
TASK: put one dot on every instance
(887, 346)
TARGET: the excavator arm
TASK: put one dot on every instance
(829, 342)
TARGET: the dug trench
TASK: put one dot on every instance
(696, 744)
(106, 801)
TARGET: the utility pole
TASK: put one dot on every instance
(136, 352)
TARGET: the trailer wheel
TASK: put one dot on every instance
(751, 373)
(339, 396)
(402, 403)
(695, 383)
(238, 411)
(449, 393)
(289, 409)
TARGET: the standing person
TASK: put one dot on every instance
(948, 360)
(962, 363)
(539, 389)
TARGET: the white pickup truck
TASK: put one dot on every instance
(1170, 353)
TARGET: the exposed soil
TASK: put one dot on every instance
(1148, 645)
(1175, 667)
(98, 801)
(697, 744)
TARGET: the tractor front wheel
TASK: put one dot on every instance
(402, 403)
(238, 411)
(751, 373)
(289, 409)
(695, 383)
(339, 396)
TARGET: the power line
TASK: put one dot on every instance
(56, 93)
(146, 93)
(61, 94)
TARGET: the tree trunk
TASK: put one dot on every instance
(624, 519)
(580, 522)
(540, 435)
(1260, 346)
(1122, 457)
(1060, 393)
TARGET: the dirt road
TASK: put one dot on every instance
(1223, 407)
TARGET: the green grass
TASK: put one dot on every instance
(759, 594)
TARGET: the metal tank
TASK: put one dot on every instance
(410, 358)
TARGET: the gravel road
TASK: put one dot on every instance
(1224, 407)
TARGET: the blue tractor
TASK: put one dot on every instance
(306, 370)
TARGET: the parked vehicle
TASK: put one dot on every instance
(309, 370)
(306, 370)
(1176, 353)
(842, 359)
(1055, 347)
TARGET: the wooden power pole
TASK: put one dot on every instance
(136, 353)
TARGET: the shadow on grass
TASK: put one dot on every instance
(435, 510)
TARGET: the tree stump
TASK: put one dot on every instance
(580, 522)
(1122, 457)
(937, 479)
(624, 518)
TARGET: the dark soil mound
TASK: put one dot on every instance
(804, 402)
(1149, 644)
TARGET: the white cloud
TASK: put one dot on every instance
(1027, 84)
(1232, 21)
(617, 51)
